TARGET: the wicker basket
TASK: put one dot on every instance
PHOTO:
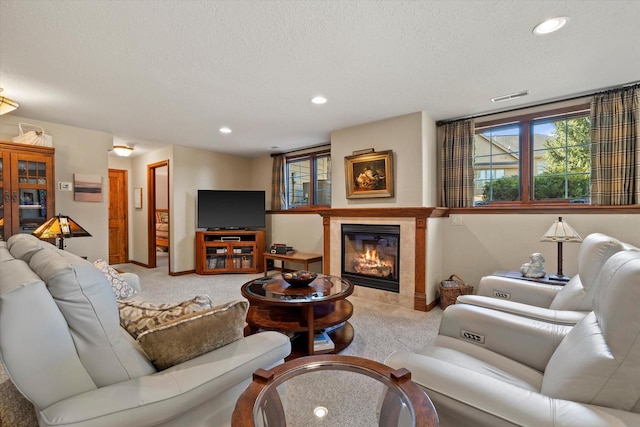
(451, 289)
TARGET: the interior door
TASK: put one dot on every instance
(118, 217)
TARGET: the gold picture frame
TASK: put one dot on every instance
(369, 175)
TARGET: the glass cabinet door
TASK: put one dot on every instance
(30, 197)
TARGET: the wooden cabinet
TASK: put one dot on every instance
(27, 187)
(229, 252)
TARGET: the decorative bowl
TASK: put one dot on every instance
(300, 278)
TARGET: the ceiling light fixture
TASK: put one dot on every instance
(225, 130)
(122, 150)
(7, 105)
(550, 25)
(510, 96)
(320, 411)
(319, 100)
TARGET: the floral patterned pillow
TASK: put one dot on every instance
(120, 287)
(137, 317)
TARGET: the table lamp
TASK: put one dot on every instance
(561, 232)
(61, 227)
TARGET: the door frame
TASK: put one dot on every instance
(151, 212)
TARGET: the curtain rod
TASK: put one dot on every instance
(324, 144)
(598, 92)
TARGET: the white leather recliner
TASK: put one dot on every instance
(564, 305)
(490, 368)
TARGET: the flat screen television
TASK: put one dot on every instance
(231, 209)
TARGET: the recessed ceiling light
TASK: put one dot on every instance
(320, 411)
(225, 130)
(550, 25)
(319, 100)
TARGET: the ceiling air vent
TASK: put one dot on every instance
(510, 96)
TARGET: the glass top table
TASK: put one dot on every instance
(301, 311)
(333, 390)
(274, 290)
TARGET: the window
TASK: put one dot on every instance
(309, 180)
(535, 159)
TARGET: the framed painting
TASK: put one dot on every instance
(369, 175)
(88, 188)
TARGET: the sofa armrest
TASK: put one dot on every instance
(166, 395)
(132, 280)
(528, 341)
(560, 317)
(524, 291)
(490, 402)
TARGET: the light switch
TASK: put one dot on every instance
(65, 186)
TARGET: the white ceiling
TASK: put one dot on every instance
(174, 72)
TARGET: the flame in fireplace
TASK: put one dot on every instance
(370, 263)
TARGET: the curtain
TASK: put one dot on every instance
(278, 184)
(457, 164)
(615, 147)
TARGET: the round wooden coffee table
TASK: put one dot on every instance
(289, 394)
(277, 306)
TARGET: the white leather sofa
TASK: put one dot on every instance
(490, 368)
(64, 349)
(564, 305)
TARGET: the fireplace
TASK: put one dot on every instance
(371, 255)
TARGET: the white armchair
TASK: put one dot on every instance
(564, 305)
(490, 368)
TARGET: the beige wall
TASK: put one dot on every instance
(195, 170)
(485, 243)
(401, 134)
(77, 151)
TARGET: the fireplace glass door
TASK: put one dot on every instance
(371, 255)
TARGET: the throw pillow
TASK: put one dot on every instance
(195, 334)
(137, 317)
(120, 287)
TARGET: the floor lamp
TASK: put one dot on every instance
(561, 232)
(61, 227)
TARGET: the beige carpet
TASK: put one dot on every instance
(379, 328)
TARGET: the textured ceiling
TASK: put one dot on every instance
(174, 72)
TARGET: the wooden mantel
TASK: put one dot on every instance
(419, 213)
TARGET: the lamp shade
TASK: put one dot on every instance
(561, 231)
(60, 226)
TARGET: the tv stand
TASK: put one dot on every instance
(229, 251)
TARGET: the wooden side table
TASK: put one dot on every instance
(303, 258)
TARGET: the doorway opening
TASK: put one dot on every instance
(159, 215)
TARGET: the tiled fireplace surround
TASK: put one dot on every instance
(413, 243)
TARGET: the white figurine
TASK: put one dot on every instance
(535, 266)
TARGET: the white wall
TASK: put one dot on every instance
(77, 151)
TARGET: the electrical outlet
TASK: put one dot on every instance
(456, 220)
